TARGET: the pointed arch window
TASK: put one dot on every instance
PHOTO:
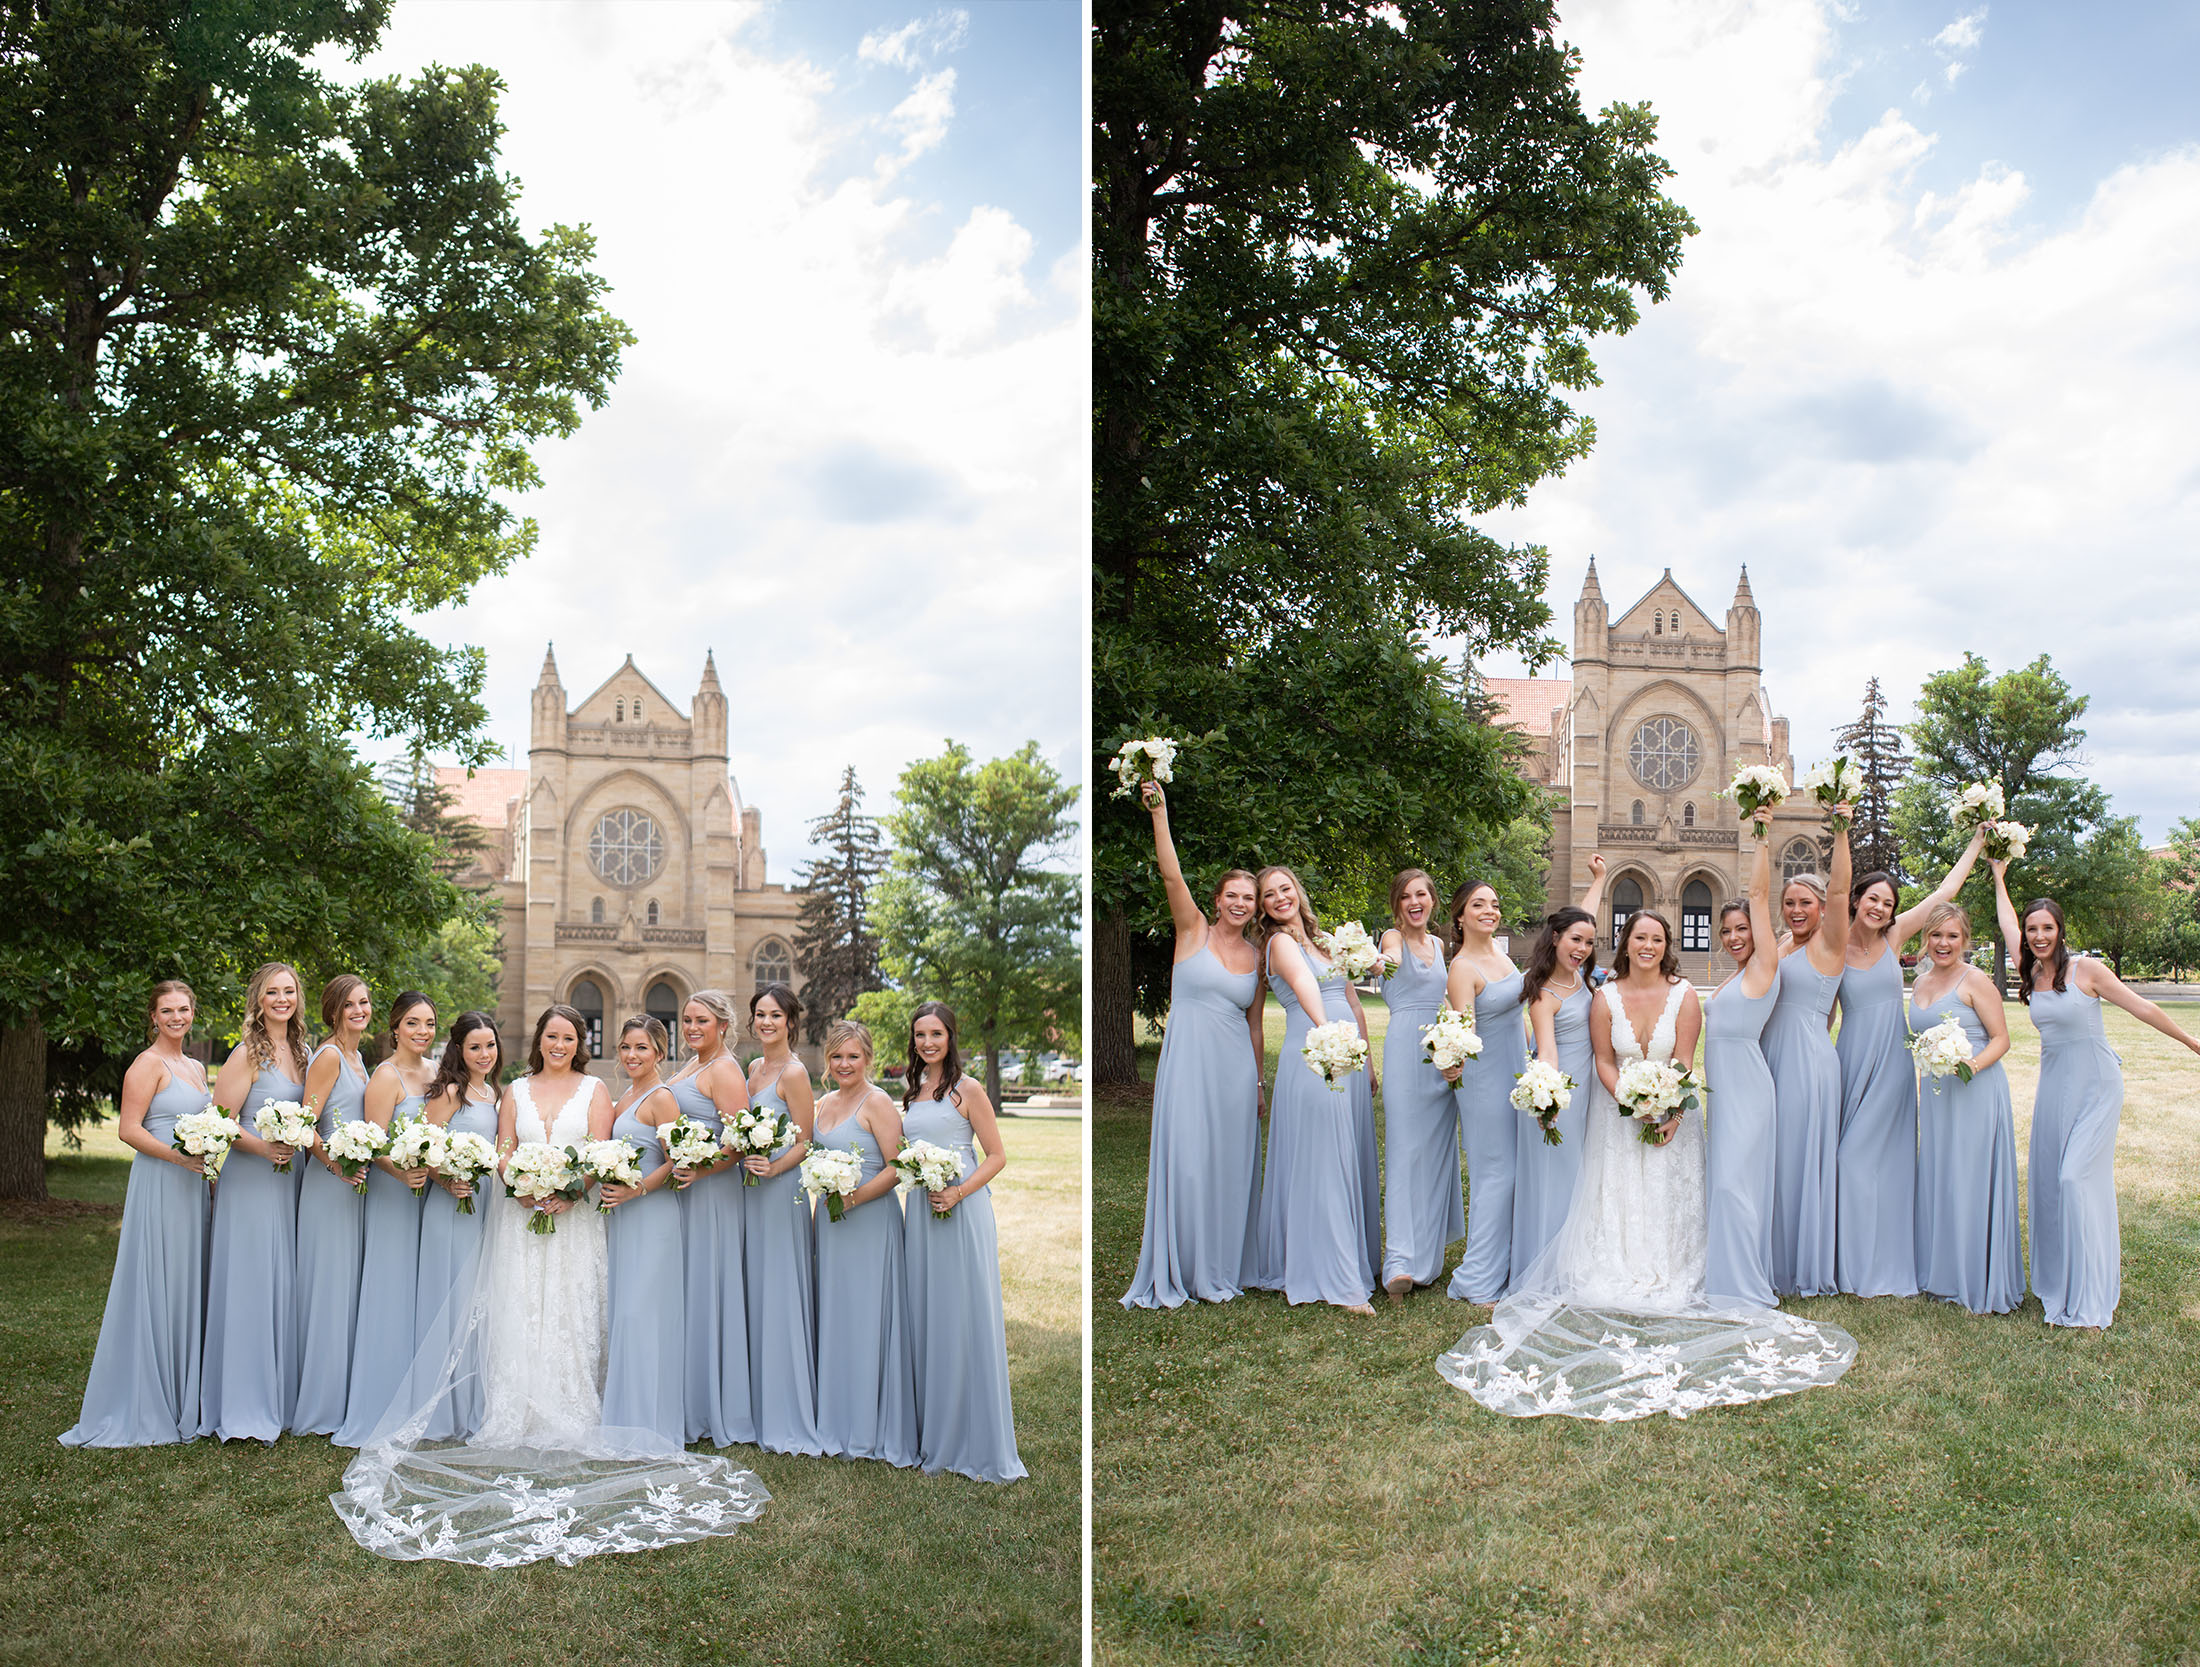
(1801, 857)
(1657, 624)
(1634, 816)
(774, 963)
(653, 911)
(595, 912)
(1688, 814)
(618, 712)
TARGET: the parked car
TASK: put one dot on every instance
(1062, 1070)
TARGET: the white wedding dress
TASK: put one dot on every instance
(542, 1475)
(1611, 1321)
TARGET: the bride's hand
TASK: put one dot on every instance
(555, 1206)
(1667, 1130)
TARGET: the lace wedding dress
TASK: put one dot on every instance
(542, 1475)
(1611, 1321)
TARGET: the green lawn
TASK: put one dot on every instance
(231, 1555)
(1300, 1485)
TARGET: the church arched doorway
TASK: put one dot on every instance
(587, 999)
(1626, 904)
(662, 1003)
(1696, 916)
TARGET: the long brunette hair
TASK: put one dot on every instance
(1543, 953)
(951, 1062)
(1459, 907)
(452, 1071)
(572, 1016)
(1622, 963)
(2026, 960)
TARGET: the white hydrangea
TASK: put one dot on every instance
(355, 1144)
(285, 1123)
(1756, 787)
(832, 1174)
(1351, 951)
(537, 1172)
(206, 1134)
(1150, 759)
(466, 1157)
(1334, 1051)
(416, 1143)
(1452, 1040)
(760, 1130)
(690, 1143)
(1652, 1091)
(932, 1168)
(1545, 1091)
(612, 1163)
(1943, 1051)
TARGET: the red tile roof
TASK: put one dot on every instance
(1526, 703)
(482, 798)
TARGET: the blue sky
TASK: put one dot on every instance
(1932, 367)
(847, 455)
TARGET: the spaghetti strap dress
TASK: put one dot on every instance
(719, 1410)
(1875, 1225)
(2077, 1246)
(1423, 1214)
(1968, 1251)
(332, 1245)
(1492, 1128)
(1543, 1186)
(1806, 1086)
(866, 1380)
(780, 1256)
(1740, 1161)
(248, 1375)
(389, 1276)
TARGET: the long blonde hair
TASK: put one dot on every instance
(258, 1046)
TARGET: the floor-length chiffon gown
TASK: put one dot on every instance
(1203, 1163)
(248, 1374)
(1806, 1085)
(332, 1245)
(1741, 1155)
(1968, 1250)
(2077, 1245)
(716, 1314)
(780, 1257)
(1543, 1185)
(645, 1381)
(866, 1378)
(1492, 1131)
(1423, 1214)
(389, 1278)
(144, 1385)
(1875, 1225)
(450, 1258)
(965, 1422)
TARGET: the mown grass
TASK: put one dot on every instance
(1299, 1485)
(231, 1554)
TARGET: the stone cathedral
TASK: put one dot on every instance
(1662, 706)
(630, 873)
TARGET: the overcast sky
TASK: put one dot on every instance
(848, 453)
(1932, 368)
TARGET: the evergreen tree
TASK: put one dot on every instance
(1876, 746)
(836, 951)
(428, 807)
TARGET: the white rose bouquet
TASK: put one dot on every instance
(832, 1174)
(1653, 1090)
(1757, 787)
(1334, 1051)
(1837, 781)
(416, 1143)
(537, 1172)
(285, 1123)
(206, 1134)
(466, 1157)
(1543, 1090)
(933, 1168)
(355, 1144)
(611, 1163)
(760, 1131)
(691, 1144)
(1977, 805)
(1451, 1041)
(1151, 759)
(1943, 1051)
(2007, 841)
(1352, 952)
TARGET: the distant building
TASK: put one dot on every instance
(630, 872)
(1662, 707)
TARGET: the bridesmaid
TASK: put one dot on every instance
(866, 1381)
(381, 1356)
(710, 1089)
(1806, 1075)
(1422, 1212)
(1967, 1246)
(779, 1243)
(1203, 1165)
(1485, 982)
(1741, 1152)
(463, 1099)
(1875, 1240)
(1554, 989)
(1320, 1228)
(331, 1215)
(144, 1387)
(249, 1366)
(2077, 1250)
(964, 1420)
(644, 1386)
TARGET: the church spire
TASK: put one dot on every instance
(1590, 624)
(1742, 596)
(1589, 587)
(547, 728)
(1744, 628)
(710, 711)
(709, 685)
(549, 677)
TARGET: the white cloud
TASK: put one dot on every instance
(1964, 34)
(922, 119)
(916, 40)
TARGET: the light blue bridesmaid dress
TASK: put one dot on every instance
(866, 1377)
(1493, 1141)
(1320, 1226)
(1806, 1087)
(716, 1318)
(644, 1386)
(779, 1249)
(1422, 1210)
(959, 1340)
(332, 1243)
(450, 1256)
(248, 1370)
(1203, 1165)
(389, 1274)
(1875, 1225)
(2077, 1246)
(1967, 1245)
(1742, 1156)
(1543, 1183)
(144, 1387)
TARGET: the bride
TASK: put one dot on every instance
(541, 1475)
(1611, 1321)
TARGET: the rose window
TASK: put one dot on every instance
(626, 847)
(1664, 754)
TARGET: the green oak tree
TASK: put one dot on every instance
(1348, 259)
(273, 349)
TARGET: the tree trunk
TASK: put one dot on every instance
(2001, 965)
(23, 1111)
(1114, 1052)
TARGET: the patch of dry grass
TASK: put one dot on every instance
(1300, 1485)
